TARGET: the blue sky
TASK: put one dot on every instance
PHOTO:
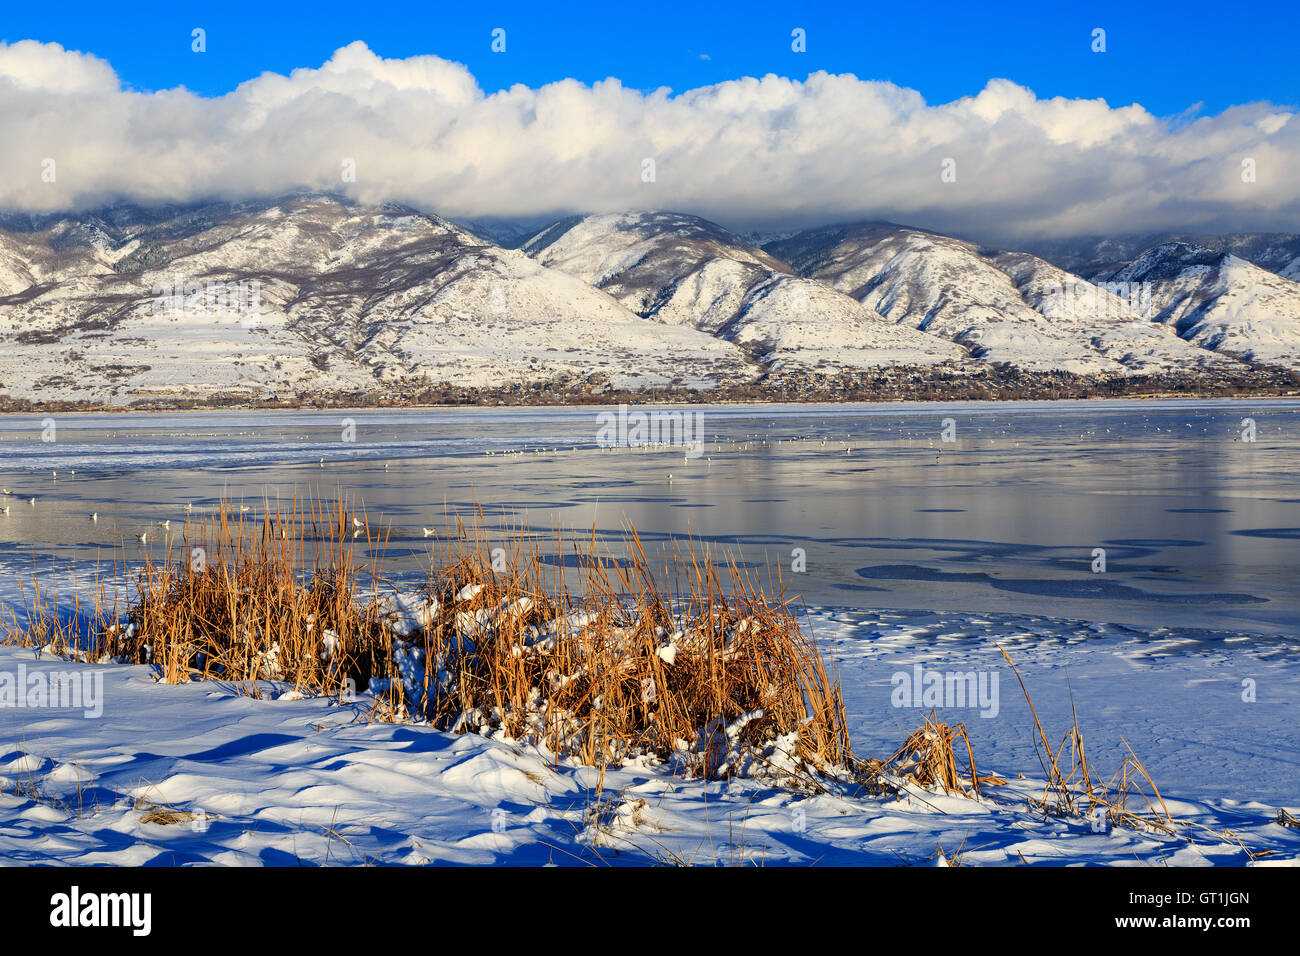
(1167, 56)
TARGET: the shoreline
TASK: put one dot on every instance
(881, 386)
(212, 405)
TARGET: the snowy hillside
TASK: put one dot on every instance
(313, 295)
(1092, 256)
(682, 270)
(790, 320)
(1005, 307)
(1219, 301)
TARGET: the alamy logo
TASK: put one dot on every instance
(72, 690)
(935, 689)
(684, 429)
(74, 909)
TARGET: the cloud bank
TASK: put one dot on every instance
(750, 153)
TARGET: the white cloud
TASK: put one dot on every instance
(748, 152)
(46, 67)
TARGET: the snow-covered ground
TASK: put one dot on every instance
(204, 773)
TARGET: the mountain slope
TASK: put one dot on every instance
(1005, 307)
(1094, 256)
(641, 258)
(314, 294)
(1219, 301)
(347, 297)
(686, 271)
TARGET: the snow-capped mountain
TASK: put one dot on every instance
(312, 295)
(1219, 301)
(1093, 256)
(510, 233)
(655, 263)
(683, 270)
(1005, 307)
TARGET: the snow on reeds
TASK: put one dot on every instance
(681, 662)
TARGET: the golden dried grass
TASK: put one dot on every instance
(681, 662)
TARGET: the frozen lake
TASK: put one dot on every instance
(1199, 528)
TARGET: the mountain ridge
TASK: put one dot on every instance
(370, 298)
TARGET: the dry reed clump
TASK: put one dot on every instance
(707, 673)
(69, 633)
(703, 670)
(244, 601)
(929, 758)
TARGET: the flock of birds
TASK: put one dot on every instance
(5, 494)
(142, 537)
